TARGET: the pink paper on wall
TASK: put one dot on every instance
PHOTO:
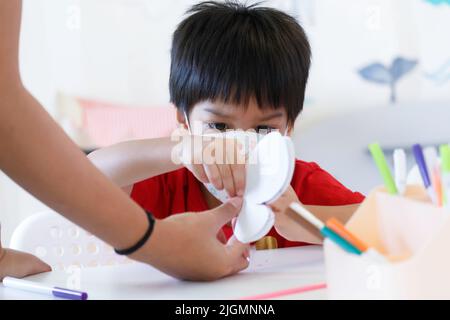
(107, 123)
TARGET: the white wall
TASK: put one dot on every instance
(117, 50)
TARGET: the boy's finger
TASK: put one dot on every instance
(224, 213)
(227, 179)
(238, 173)
(199, 173)
(214, 176)
(236, 159)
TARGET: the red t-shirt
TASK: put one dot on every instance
(179, 191)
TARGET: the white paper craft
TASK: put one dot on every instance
(269, 174)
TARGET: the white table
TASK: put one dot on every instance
(269, 271)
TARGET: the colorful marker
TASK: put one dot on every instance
(342, 231)
(445, 167)
(41, 289)
(434, 171)
(340, 235)
(400, 170)
(438, 188)
(324, 230)
(420, 160)
(383, 167)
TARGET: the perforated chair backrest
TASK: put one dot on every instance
(61, 243)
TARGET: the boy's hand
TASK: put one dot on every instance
(289, 224)
(19, 264)
(217, 161)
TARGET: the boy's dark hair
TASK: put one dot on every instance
(232, 52)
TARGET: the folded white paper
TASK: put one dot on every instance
(269, 173)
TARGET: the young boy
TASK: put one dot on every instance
(233, 67)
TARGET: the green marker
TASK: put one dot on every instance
(383, 167)
(445, 167)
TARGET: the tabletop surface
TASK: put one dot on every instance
(269, 271)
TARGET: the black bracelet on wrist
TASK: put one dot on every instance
(140, 243)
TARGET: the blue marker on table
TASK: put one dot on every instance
(420, 159)
(34, 287)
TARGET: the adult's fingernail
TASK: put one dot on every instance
(236, 202)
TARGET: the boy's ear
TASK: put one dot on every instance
(290, 130)
(181, 119)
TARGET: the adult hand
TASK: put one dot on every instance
(19, 264)
(186, 245)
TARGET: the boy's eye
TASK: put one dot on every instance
(264, 129)
(218, 126)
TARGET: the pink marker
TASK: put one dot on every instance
(287, 292)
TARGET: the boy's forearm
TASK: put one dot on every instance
(303, 231)
(342, 213)
(130, 162)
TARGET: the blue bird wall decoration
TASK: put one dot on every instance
(382, 75)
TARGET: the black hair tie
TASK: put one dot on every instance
(140, 243)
